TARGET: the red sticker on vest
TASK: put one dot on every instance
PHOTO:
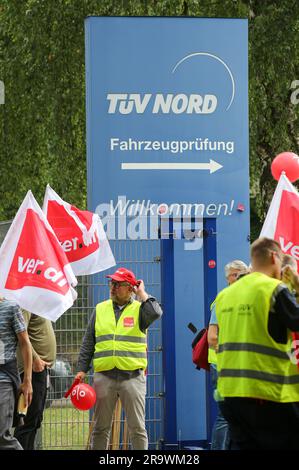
(129, 321)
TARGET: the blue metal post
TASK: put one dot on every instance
(168, 333)
(210, 289)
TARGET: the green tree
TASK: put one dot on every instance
(42, 124)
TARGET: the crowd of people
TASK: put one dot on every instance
(115, 343)
(254, 366)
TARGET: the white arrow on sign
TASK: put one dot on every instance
(212, 166)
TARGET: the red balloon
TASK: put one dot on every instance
(287, 162)
(83, 396)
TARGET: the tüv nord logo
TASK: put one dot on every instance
(166, 103)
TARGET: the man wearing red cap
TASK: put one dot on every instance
(115, 340)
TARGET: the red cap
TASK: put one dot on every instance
(124, 275)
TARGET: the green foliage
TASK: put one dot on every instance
(42, 124)
(274, 64)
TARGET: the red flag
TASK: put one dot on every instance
(34, 269)
(282, 224)
(282, 220)
(80, 233)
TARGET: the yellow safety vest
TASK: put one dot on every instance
(122, 344)
(250, 362)
(212, 356)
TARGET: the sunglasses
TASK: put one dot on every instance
(118, 284)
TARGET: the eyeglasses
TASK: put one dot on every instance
(117, 284)
(233, 274)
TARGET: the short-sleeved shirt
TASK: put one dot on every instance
(11, 323)
(213, 319)
(42, 339)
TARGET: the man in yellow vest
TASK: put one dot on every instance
(220, 439)
(257, 377)
(115, 340)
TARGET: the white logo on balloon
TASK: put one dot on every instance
(79, 393)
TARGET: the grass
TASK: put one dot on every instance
(64, 428)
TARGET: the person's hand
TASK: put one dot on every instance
(80, 376)
(290, 277)
(26, 389)
(38, 365)
(139, 290)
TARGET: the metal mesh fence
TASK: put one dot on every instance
(4, 226)
(67, 428)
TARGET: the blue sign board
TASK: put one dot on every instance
(167, 136)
